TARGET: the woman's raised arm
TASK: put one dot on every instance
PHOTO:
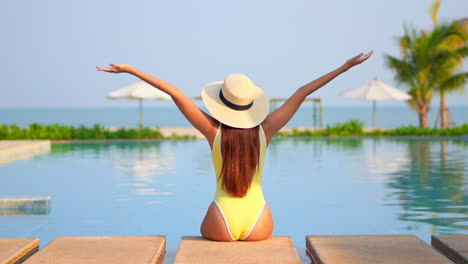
(199, 119)
(276, 120)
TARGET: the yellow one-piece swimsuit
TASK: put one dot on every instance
(240, 214)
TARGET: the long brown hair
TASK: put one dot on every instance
(240, 149)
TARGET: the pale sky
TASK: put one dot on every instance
(49, 49)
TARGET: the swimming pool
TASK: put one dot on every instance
(313, 186)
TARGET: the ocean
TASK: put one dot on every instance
(169, 116)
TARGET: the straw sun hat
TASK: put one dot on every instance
(236, 101)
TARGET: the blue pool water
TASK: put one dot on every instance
(313, 186)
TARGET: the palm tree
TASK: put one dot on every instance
(427, 65)
(456, 81)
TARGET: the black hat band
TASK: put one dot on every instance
(234, 106)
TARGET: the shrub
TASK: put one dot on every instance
(61, 132)
(356, 128)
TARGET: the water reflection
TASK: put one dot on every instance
(318, 145)
(337, 143)
(145, 163)
(425, 178)
(93, 147)
(430, 186)
(134, 159)
(138, 166)
(24, 211)
(382, 161)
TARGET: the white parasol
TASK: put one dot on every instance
(139, 91)
(376, 90)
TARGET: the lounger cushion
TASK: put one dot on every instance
(196, 250)
(14, 250)
(126, 249)
(454, 247)
(350, 249)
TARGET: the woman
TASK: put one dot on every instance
(238, 133)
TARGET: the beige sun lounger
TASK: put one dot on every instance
(454, 247)
(400, 249)
(126, 249)
(15, 250)
(196, 250)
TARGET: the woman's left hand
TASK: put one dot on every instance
(116, 68)
(360, 58)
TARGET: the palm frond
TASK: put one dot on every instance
(434, 10)
(403, 70)
(455, 82)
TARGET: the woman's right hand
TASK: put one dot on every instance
(116, 68)
(360, 58)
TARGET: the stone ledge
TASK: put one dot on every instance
(197, 250)
(10, 206)
(97, 250)
(12, 150)
(455, 247)
(356, 249)
(16, 250)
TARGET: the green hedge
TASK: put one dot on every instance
(61, 132)
(350, 128)
(356, 128)
(417, 131)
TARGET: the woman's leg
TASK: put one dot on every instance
(264, 226)
(213, 226)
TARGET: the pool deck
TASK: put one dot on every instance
(190, 131)
(197, 250)
(16, 250)
(356, 249)
(455, 247)
(350, 249)
(90, 250)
